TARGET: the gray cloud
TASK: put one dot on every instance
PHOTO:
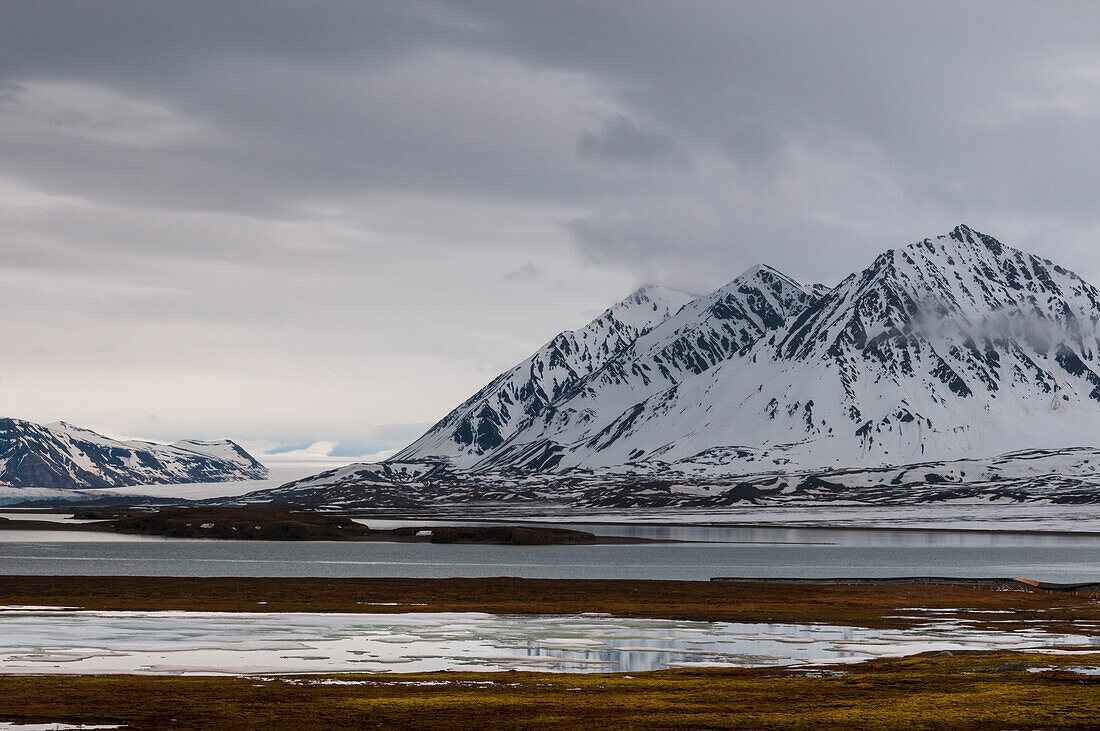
(212, 198)
(621, 140)
(526, 272)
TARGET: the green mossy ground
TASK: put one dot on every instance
(964, 691)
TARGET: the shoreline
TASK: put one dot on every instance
(777, 526)
(20, 524)
(251, 524)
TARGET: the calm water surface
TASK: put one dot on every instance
(765, 552)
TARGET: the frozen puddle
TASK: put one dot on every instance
(1075, 669)
(34, 641)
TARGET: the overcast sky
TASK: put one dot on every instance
(291, 223)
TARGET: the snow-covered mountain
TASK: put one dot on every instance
(952, 347)
(61, 455)
(491, 415)
(947, 352)
(706, 332)
(635, 348)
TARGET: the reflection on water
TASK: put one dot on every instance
(862, 536)
(989, 516)
(48, 517)
(70, 642)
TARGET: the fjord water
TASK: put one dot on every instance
(765, 553)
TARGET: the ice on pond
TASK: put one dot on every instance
(71, 642)
(1075, 669)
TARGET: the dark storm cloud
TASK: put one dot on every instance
(973, 108)
(288, 100)
(421, 177)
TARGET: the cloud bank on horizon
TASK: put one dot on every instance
(301, 223)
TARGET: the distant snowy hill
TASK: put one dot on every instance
(947, 352)
(61, 455)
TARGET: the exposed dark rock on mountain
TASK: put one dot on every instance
(486, 419)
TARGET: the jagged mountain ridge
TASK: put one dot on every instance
(951, 347)
(634, 362)
(919, 369)
(707, 331)
(61, 455)
(486, 419)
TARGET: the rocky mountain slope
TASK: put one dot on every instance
(61, 455)
(949, 351)
(486, 419)
(708, 331)
(949, 348)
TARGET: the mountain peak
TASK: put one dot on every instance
(964, 234)
(658, 293)
(946, 345)
(764, 273)
(485, 420)
(753, 271)
(757, 269)
(65, 426)
(643, 308)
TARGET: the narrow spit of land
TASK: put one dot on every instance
(869, 604)
(264, 524)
